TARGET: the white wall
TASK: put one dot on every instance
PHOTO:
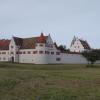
(4, 57)
(73, 59)
(40, 58)
(34, 58)
(77, 46)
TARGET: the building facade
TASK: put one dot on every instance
(39, 50)
(79, 45)
(36, 50)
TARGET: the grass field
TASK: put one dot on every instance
(49, 82)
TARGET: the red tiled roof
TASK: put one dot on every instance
(4, 44)
(41, 39)
(29, 43)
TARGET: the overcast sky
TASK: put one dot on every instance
(61, 18)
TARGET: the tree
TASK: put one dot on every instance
(62, 47)
(91, 56)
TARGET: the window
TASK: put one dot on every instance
(29, 52)
(34, 52)
(24, 52)
(41, 52)
(17, 52)
(57, 53)
(58, 59)
(46, 45)
(12, 53)
(49, 45)
(52, 53)
(47, 52)
(3, 52)
(20, 52)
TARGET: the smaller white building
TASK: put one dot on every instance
(79, 45)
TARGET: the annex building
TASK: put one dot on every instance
(41, 50)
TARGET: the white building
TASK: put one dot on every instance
(79, 45)
(39, 50)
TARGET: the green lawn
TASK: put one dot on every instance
(49, 82)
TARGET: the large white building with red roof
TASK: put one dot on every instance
(41, 50)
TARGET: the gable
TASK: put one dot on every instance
(81, 43)
(49, 40)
